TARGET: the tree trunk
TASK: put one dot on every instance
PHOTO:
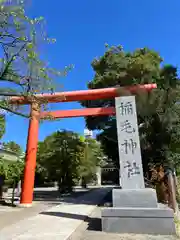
(13, 193)
(172, 192)
(83, 183)
(19, 188)
(1, 187)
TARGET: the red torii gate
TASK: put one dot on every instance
(32, 140)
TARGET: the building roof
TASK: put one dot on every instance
(8, 155)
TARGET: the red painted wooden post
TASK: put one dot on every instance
(30, 165)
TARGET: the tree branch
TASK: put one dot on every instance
(11, 94)
(14, 112)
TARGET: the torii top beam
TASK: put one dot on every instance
(94, 94)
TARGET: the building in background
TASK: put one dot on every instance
(9, 156)
(88, 133)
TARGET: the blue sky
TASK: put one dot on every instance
(82, 28)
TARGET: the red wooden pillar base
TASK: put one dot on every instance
(30, 165)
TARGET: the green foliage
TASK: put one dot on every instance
(59, 157)
(3, 168)
(22, 71)
(2, 125)
(12, 171)
(93, 156)
(13, 146)
(158, 111)
(118, 67)
(66, 157)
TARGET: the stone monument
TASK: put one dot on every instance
(135, 208)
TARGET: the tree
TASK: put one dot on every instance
(20, 37)
(2, 125)
(2, 131)
(13, 146)
(59, 158)
(11, 172)
(157, 111)
(93, 158)
(66, 157)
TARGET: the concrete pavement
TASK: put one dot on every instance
(44, 198)
(58, 222)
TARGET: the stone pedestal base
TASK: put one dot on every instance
(144, 198)
(137, 211)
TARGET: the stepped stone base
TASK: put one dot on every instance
(137, 211)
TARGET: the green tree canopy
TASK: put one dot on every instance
(13, 146)
(59, 157)
(12, 171)
(2, 125)
(93, 157)
(158, 111)
(66, 157)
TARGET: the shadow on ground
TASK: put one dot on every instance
(49, 196)
(55, 196)
(71, 198)
(7, 204)
(94, 224)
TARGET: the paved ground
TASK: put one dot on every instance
(57, 222)
(44, 198)
(74, 217)
(91, 230)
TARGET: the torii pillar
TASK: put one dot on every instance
(31, 151)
